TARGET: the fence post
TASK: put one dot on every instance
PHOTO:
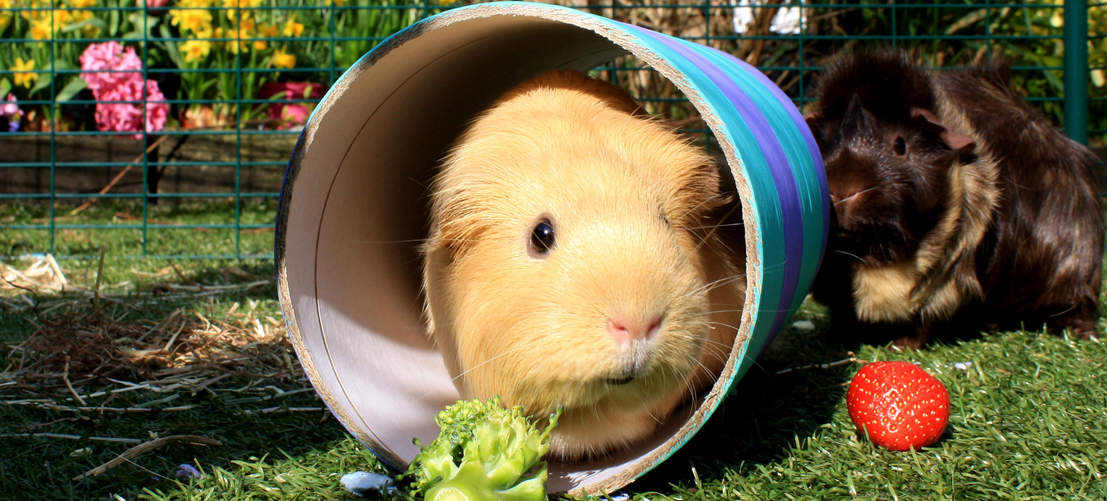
(1076, 70)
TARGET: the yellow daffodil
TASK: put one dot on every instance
(195, 50)
(282, 59)
(34, 12)
(61, 18)
(240, 9)
(5, 17)
(264, 31)
(40, 30)
(242, 35)
(245, 4)
(246, 28)
(23, 76)
(190, 17)
(292, 28)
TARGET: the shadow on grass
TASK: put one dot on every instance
(188, 352)
(776, 404)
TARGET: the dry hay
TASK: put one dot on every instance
(82, 337)
(42, 275)
(88, 350)
(99, 348)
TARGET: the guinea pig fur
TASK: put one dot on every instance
(578, 257)
(956, 205)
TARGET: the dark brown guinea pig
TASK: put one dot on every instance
(955, 204)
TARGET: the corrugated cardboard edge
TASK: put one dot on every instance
(384, 453)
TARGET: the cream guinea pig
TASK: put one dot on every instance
(582, 255)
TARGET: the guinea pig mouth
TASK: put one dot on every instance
(632, 364)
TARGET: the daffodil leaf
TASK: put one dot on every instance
(71, 89)
(143, 27)
(44, 80)
(62, 65)
(170, 47)
(92, 21)
(5, 87)
(113, 22)
(140, 21)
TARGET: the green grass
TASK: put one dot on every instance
(1027, 417)
(190, 228)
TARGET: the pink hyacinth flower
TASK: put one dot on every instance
(290, 114)
(125, 102)
(108, 64)
(11, 107)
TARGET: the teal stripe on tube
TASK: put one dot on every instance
(803, 158)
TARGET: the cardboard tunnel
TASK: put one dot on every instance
(354, 209)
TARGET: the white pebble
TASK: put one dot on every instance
(962, 365)
(188, 471)
(803, 325)
(363, 482)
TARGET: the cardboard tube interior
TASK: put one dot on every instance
(354, 211)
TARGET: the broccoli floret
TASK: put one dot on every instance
(484, 452)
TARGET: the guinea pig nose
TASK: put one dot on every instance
(628, 328)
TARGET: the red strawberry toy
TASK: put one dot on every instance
(898, 404)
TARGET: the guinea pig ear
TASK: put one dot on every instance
(856, 118)
(956, 141)
(440, 243)
(814, 119)
(816, 123)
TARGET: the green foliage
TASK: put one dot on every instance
(484, 452)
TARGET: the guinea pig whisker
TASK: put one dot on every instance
(854, 195)
(710, 286)
(1060, 313)
(714, 226)
(405, 241)
(489, 360)
(707, 372)
(701, 204)
(723, 324)
(733, 310)
(844, 253)
(711, 375)
(719, 353)
(711, 343)
(704, 238)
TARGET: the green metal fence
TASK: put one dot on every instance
(194, 169)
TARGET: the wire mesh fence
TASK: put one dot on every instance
(162, 127)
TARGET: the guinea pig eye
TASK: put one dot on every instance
(899, 146)
(541, 238)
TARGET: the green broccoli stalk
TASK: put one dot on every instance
(483, 453)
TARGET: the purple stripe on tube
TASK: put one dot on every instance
(801, 123)
(791, 215)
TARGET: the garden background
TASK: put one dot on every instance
(142, 149)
